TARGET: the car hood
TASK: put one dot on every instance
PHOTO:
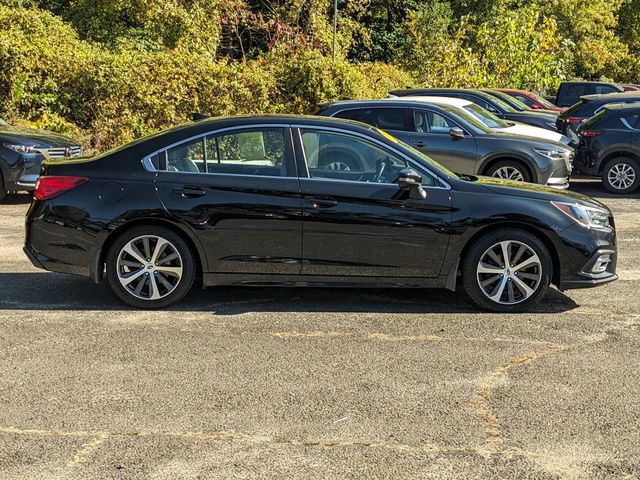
(531, 131)
(31, 136)
(535, 191)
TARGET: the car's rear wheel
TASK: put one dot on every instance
(621, 175)
(507, 270)
(510, 170)
(150, 267)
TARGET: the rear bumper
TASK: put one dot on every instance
(33, 256)
(28, 181)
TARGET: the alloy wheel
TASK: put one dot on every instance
(340, 166)
(509, 272)
(621, 176)
(509, 173)
(149, 267)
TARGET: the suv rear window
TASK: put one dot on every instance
(383, 118)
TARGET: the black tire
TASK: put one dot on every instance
(471, 277)
(333, 156)
(521, 168)
(621, 166)
(182, 285)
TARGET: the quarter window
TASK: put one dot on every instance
(345, 157)
(244, 152)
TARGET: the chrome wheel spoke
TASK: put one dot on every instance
(496, 294)
(512, 297)
(487, 268)
(531, 261)
(528, 276)
(523, 287)
(489, 280)
(149, 267)
(504, 246)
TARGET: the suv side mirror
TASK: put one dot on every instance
(456, 132)
(410, 180)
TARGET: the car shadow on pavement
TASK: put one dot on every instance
(593, 188)
(18, 199)
(51, 291)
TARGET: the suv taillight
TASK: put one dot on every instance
(589, 133)
(573, 119)
(49, 187)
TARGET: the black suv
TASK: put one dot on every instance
(22, 150)
(570, 92)
(569, 120)
(457, 140)
(489, 102)
(610, 147)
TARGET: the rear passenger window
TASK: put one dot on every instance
(601, 89)
(353, 114)
(385, 118)
(526, 100)
(243, 152)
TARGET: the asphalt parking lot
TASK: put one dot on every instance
(295, 383)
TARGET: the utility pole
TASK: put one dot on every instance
(335, 27)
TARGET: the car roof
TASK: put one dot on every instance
(417, 91)
(451, 101)
(622, 106)
(596, 97)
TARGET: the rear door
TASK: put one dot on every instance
(238, 190)
(431, 136)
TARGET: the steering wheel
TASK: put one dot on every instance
(382, 165)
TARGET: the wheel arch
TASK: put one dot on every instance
(615, 154)
(526, 162)
(97, 267)
(541, 235)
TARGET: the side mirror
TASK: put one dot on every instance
(456, 132)
(410, 180)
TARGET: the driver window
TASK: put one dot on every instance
(345, 157)
(431, 122)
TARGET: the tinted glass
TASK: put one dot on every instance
(486, 117)
(245, 152)
(631, 121)
(345, 157)
(353, 114)
(427, 121)
(525, 100)
(605, 89)
(574, 109)
(385, 118)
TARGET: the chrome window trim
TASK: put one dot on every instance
(626, 124)
(146, 161)
(410, 160)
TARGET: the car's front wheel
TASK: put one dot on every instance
(510, 170)
(150, 267)
(507, 270)
(621, 175)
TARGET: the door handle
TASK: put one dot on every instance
(190, 191)
(321, 202)
(419, 143)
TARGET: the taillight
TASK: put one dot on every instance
(573, 119)
(50, 187)
(589, 133)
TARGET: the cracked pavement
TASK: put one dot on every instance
(328, 383)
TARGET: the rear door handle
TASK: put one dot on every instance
(190, 191)
(419, 143)
(321, 202)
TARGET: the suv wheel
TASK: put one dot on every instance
(150, 267)
(507, 270)
(621, 175)
(510, 170)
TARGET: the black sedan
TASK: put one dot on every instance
(254, 201)
(22, 150)
(489, 102)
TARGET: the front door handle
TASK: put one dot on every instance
(321, 201)
(190, 191)
(419, 144)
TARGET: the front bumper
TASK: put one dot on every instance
(598, 270)
(28, 181)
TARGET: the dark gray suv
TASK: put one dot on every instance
(457, 140)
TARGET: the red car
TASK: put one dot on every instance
(531, 100)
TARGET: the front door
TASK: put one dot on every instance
(432, 137)
(359, 223)
(239, 191)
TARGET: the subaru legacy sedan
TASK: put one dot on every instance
(259, 201)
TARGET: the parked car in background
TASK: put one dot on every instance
(587, 106)
(162, 209)
(532, 100)
(457, 139)
(491, 120)
(22, 150)
(570, 92)
(486, 101)
(514, 102)
(610, 147)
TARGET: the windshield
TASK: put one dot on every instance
(514, 102)
(543, 101)
(485, 116)
(501, 103)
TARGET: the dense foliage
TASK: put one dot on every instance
(108, 71)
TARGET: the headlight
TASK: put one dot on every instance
(21, 148)
(552, 126)
(589, 217)
(552, 154)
